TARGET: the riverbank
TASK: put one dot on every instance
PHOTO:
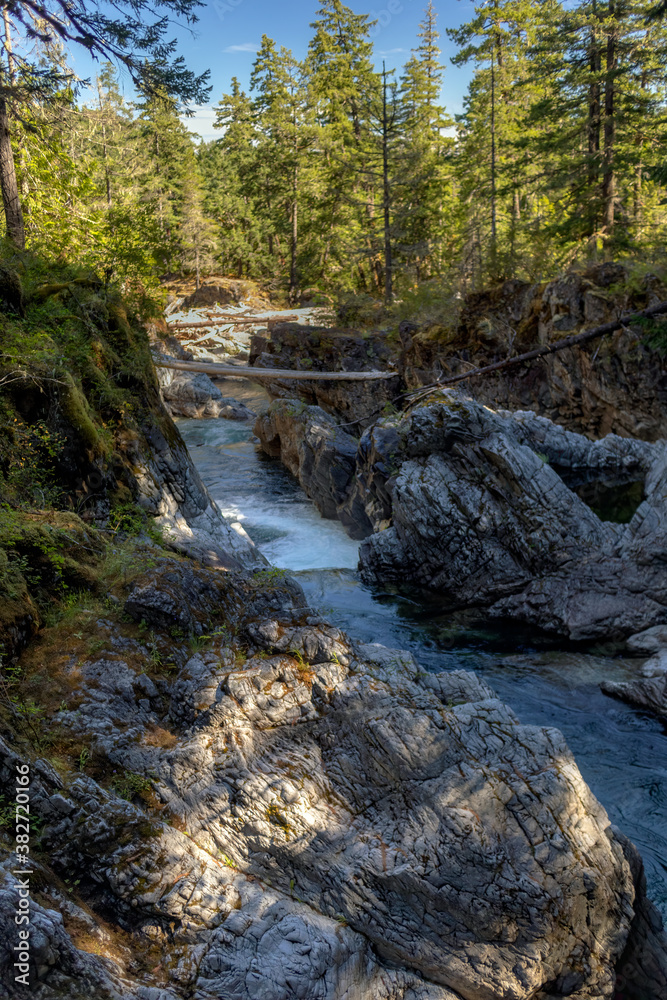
(621, 751)
(231, 797)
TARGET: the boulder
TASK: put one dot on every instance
(173, 597)
(319, 453)
(649, 689)
(481, 516)
(211, 295)
(195, 395)
(652, 640)
(489, 508)
(12, 298)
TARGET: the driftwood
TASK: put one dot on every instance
(559, 345)
(43, 292)
(240, 320)
(272, 374)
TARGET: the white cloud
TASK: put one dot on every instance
(243, 47)
(202, 122)
(391, 52)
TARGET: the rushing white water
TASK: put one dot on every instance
(621, 751)
(265, 499)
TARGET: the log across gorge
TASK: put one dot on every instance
(271, 374)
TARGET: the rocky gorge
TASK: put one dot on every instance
(467, 502)
(234, 798)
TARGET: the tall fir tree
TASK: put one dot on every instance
(229, 169)
(344, 84)
(286, 128)
(425, 213)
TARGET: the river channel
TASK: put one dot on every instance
(621, 751)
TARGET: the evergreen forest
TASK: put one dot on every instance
(329, 176)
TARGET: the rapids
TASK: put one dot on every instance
(621, 751)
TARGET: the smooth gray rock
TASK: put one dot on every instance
(652, 640)
(195, 395)
(649, 689)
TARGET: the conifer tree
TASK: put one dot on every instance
(601, 120)
(286, 128)
(196, 233)
(229, 170)
(166, 163)
(130, 33)
(495, 39)
(425, 211)
(343, 84)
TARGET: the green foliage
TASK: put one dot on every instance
(129, 785)
(328, 178)
(654, 334)
(7, 815)
(270, 577)
(274, 816)
(132, 34)
(199, 642)
(129, 519)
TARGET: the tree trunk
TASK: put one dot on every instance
(8, 46)
(388, 276)
(10, 191)
(608, 176)
(107, 178)
(493, 158)
(293, 282)
(105, 160)
(637, 198)
(594, 65)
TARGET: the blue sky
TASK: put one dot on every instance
(229, 32)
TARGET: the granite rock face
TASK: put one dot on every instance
(194, 394)
(319, 819)
(616, 385)
(322, 349)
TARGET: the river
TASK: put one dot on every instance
(621, 751)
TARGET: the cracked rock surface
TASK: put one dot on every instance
(324, 821)
(473, 504)
(481, 516)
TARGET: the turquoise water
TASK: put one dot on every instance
(621, 751)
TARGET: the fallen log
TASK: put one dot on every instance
(240, 320)
(574, 340)
(272, 374)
